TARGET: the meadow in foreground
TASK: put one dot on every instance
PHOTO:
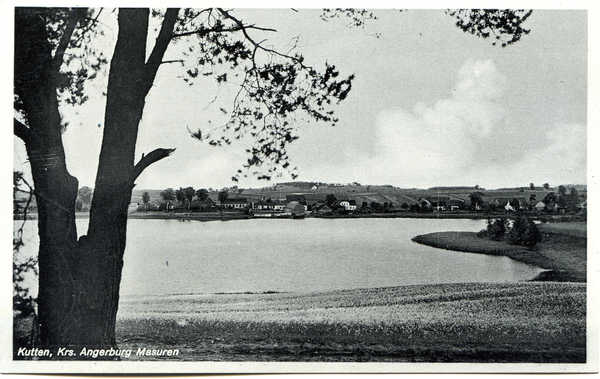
(525, 322)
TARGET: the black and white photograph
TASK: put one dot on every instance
(300, 188)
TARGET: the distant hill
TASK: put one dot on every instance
(455, 189)
(317, 191)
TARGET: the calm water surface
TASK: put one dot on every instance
(182, 257)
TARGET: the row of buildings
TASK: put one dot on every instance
(451, 203)
(302, 204)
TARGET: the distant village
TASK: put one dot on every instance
(301, 199)
(321, 199)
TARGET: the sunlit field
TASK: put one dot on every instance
(528, 322)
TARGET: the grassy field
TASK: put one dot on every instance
(525, 322)
(576, 229)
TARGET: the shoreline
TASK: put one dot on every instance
(562, 255)
(217, 216)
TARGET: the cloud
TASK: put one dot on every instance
(561, 160)
(471, 138)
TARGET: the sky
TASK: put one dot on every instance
(430, 106)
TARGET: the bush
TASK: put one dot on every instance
(524, 232)
(497, 229)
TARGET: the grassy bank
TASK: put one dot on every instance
(562, 251)
(525, 322)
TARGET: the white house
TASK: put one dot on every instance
(349, 205)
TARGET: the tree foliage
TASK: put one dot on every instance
(476, 199)
(562, 190)
(505, 26)
(496, 229)
(276, 88)
(84, 198)
(550, 198)
(524, 232)
(515, 204)
(146, 198)
(168, 194)
(202, 194)
(331, 200)
(223, 196)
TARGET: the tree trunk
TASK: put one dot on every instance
(105, 245)
(55, 188)
(79, 281)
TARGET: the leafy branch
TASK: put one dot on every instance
(504, 25)
(276, 89)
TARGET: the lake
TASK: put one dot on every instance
(284, 255)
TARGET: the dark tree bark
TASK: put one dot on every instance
(79, 279)
(55, 188)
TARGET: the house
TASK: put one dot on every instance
(264, 205)
(428, 202)
(269, 205)
(505, 203)
(349, 205)
(322, 209)
(239, 203)
(502, 203)
(294, 209)
(453, 205)
(441, 203)
(539, 206)
(298, 198)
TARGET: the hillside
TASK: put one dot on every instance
(315, 191)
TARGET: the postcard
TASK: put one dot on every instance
(301, 188)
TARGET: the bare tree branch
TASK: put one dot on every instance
(173, 61)
(152, 157)
(75, 15)
(162, 42)
(203, 32)
(243, 28)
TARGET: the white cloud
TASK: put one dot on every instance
(563, 160)
(470, 138)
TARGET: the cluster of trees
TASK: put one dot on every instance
(376, 207)
(546, 186)
(187, 198)
(523, 231)
(570, 201)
